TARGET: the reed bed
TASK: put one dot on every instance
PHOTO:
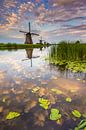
(72, 55)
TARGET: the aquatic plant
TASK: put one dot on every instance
(76, 113)
(44, 103)
(68, 99)
(81, 125)
(55, 115)
(12, 115)
(34, 90)
(57, 91)
(4, 100)
(70, 55)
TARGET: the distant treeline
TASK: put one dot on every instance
(70, 54)
(20, 46)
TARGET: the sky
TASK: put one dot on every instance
(54, 20)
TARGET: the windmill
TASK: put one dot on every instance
(28, 39)
(41, 40)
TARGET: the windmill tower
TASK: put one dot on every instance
(28, 39)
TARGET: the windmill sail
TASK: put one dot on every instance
(29, 28)
(35, 34)
(23, 31)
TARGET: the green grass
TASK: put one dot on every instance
(9, 46)
(70, 55)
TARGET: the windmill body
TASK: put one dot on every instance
(28, 38)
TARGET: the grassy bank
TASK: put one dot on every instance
(4, 46)
(69, 55)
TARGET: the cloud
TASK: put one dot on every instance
(11, 20)
(25, 7)
(9, 3)
(57, 18)
(37, 1)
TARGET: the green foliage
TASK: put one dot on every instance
(44, 103)
(71, 55)
(81, 125)
(4, 46)
(12, 115)
(55, 115)
(76, 113)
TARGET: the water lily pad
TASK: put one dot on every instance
(76, 113)
(55, 115)
(34, 90)
(44, 103)
(55, 111)
(78, 79)
(12, 115)
(83, 81)
(68, 99)
(85, 128)
(76, 128)
(81, 125)
(59, 121)
(84, 115)
(4, 100)
(57, 91)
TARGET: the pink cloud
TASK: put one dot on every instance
(9, 3)
(37, 1)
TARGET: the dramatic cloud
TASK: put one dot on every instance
(53, 19)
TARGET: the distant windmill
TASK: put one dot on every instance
(41, 40)
(29, 34)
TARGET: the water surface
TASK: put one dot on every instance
(23, 70)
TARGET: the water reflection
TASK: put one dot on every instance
(21, 88)
(29, 52)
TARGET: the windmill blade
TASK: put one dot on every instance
(30, 58)
(23, 31)
(29, 27)
(35, 34)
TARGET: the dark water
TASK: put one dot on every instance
(23, 70)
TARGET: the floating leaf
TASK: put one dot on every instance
(34, 90)
(57, 91)
(84, 115)
(73, 90)
(56, 111)
(1, 109)
(78, 79)
(76, 128)
(12, 115)
(59, 121)
(4, 99)
(76, 113)
(55, 114)
(44, 103)
(68, 99)
(81, 125)
(83, 81)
